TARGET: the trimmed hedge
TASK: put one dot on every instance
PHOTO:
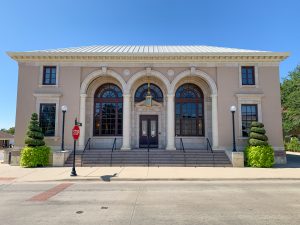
(259, 156)
(259, 130)
(35, 156)
(257, 124)
(259, 153)
(35, 153)
(258, 136)
(255, 142)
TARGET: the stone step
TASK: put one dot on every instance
(157, 157)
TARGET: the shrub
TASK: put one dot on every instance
(256, 142)
(259, 156)
(257, 124)
(35, 153)
(259, 130)
(35, 137)
(257, 134)
(293, 145)
(35, 156)
(259, 153)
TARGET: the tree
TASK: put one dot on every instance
(9, 131)
(36, 153)
(258, 134)
(35, 136)
(259, 153)
(290, 100)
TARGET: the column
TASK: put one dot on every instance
(170, 123)
(82, 120)
(126, 122)
(214, 111)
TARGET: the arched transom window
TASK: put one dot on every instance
(189, 112)
(108, 110)
(142, 91)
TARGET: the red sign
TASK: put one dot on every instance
(75, 132)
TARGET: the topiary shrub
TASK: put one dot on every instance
(258, 153)
(35, 153)
(259, 156)
(35, 156)
(257, 134)
(35, 136)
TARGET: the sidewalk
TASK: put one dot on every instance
(18, 174)
(290, 171)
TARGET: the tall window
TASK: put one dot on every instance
(108, 111)
(142, 91)
(47, 119)
(248, 76)
(49, 75)
(249, 114)
(189, 111)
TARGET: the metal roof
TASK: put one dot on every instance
(148, 49)
(5, 136)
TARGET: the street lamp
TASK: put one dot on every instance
(64, 109)
(232, 110)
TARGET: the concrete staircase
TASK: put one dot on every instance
(157, 157)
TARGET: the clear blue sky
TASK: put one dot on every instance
(31, 25)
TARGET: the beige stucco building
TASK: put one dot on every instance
(190, 90)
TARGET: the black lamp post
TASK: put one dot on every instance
(232, 110)
(64, 109)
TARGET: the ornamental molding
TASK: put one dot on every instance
(150, 73)
(228, 57)
(194, 73)
(47, 95)
(98, 73)
(129, 65)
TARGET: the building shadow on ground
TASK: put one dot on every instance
(293, 161)
(107, 178)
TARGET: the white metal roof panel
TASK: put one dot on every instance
(148, 49)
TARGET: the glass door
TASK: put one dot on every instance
(148, 131)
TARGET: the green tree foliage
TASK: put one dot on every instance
(259, 153)
(9, 131)
(290, 99)
(35, 137)
(293, 145)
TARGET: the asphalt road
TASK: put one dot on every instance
(101, 203)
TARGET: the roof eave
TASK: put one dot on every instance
(16, 55)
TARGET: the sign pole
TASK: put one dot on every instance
(73, 173)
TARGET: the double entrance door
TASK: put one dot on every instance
(148, 131)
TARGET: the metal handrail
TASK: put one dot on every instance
(209, 148)
(182, 148)
(181, 144)
(112, 149)
(88, 143)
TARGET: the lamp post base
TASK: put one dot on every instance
(73, 173)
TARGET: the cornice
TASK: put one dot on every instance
(149, 58)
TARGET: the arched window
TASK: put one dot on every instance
(189, 111)
(142, 91)
(108, 111)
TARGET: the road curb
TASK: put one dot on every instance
(167, 179)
